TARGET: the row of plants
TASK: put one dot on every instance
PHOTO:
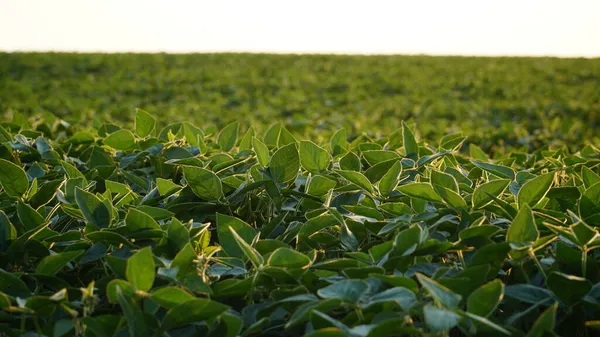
(182, 232)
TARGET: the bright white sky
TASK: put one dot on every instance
(472, 27)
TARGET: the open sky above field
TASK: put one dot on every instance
(464, 27)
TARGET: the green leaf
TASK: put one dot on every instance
(350, 162)
(136, 220)
(499, 170)
(140, 269)
(589, 177)
(114, 285)
(93, 209)
(438, 319)
(51, 264)
(144, 123)
(247, 249)
(136, 323)
(284, 164)
(407, 240)
(410, 143)
(170, 297)
(262, 152)
(484, 301)
(589, 205)
(356, 178)
(288, 258)
(28, 216)
(544, 323)
(184, 260)
(120, 140)
(535, 189)
(421, 191)
(320, 185)
(204, 183)
(13, 179)
(346, 290)
(225, 224)
(481, 195)
(402, 296)
(338, 142)
(440, 293)
(228, 136)
(390, 180)
(523, 230)
(568, 288)
(7, 230)
(444, 180)
(476, 152)
(166, 187)
(313, 157)
(196, 310)
(450, 197)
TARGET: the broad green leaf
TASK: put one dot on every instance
(262, 152)
(477, 153)
(420, 190)
(320, 185)
(439, 319)
(120, 140)
(136, 220)
(246, 141)
(338, 142)
(450, 197)
(193, 135)
(204, 183)
(136, 323)
(402, 296)
(170, 297)
(166, 187)
(313, 157)
(13, 179)
(589, 205)
(247, 249)
(350, 162)
(523, 229)
(535, 189)
(288, 258)
(285, 164)
(481, 195)
(28, 216)
(93, 209)
(144, 123)
(346, 290)
(112, 290)
(444, 179)
(184, 260)
(407, 240)
(226, 238)
(441, 294)
(356, 178)
(192, 311)
(589, 177)
(545, 323)
(390, 180)
(51, 264)
(499, 170)
(410, 143)
(568, 288)
(7, 230)
(484, 301)
(228, 136)
(140, 269)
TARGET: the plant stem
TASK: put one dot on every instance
(539, 265)
(584, 261)
(461, 258)
(524, 272)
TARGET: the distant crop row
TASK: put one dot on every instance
(497, 102)
(185, 232)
